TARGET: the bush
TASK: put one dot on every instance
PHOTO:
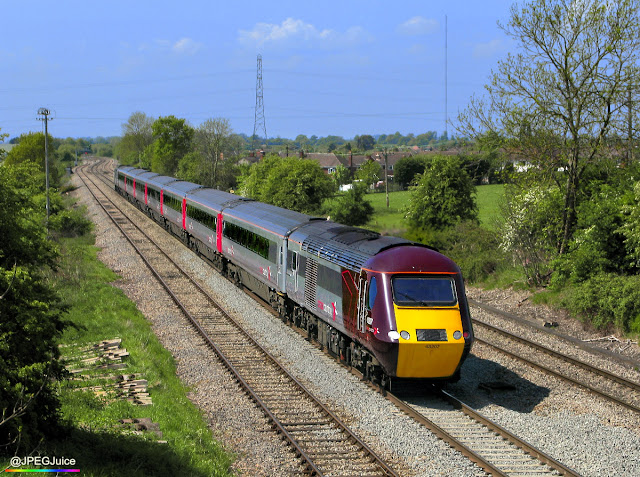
(443, 195)
(607, 300)
(71, 222)
(351, 208)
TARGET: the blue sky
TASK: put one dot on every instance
(344, 68)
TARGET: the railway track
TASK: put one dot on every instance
(491, 447)
(324, 444)
(600, 382)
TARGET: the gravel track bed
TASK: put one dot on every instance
(570, 425)
(518, 303)
(552, 342)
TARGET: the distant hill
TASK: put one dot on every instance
(7, 147)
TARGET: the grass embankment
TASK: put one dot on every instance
(391, 221)
(98, 312)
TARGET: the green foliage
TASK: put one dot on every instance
(607, 300)
(30, 149)
(351, 208)
(291, 183)
(172, 141)
(597, 246)
(71, 222)
(31, 316)
(442, 196)
(532, 228)
(631, 227)
(102, 150)
(365, 142)
(341, 176)
(407, 168)
(370, 173)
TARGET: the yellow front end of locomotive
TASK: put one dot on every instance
(430, 343)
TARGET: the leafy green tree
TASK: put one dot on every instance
(342, 175)
(365, 142)
(172, 141)
(351, 208)
(532, 228)
(370, 172)
(557, 100)
(407, 168)
(32, 317)
(213, 139)
(137, 135)
(443, 195)
(30, 149)
(291, 183)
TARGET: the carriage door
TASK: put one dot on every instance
(362, 305)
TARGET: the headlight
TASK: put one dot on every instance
(405, 335)
(393, 334)
(457, 335)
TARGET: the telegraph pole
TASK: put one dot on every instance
(45, 112)
(386, 179)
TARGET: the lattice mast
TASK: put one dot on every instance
(259, 124)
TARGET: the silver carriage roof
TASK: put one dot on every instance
(349, 247)
(181, 187)
(269, 217)
(211, 198)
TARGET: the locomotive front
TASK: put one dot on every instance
(418, 309)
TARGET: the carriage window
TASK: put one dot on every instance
(423, 291)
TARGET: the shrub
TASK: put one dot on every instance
(607, 300)
(71, 222)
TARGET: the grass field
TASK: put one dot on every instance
(391, 220)
(100, 311)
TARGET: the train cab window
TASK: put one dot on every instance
(423, 291)
(372, 292)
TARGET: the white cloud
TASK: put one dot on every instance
(418, 26)
(489, 49)
(186, 46)
(296, 32)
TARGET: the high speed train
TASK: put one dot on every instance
(390, 307)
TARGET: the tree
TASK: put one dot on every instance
(365, 142)
(350, 208)
(557, 100)
(137, 135)
(31, 315)
(443, 195)
(172, 141)
(291, 183)
(370, 172)
(30, 149)
(342, 175)
(407, 168)
(213, 140)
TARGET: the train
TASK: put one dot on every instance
(392, 308)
